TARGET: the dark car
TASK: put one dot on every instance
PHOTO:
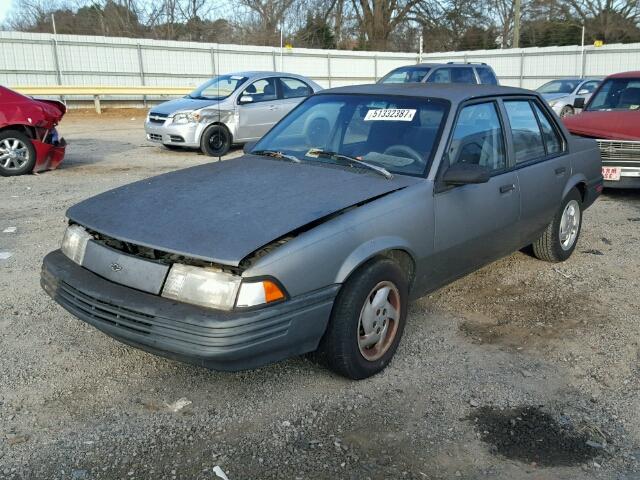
(612, 117)
(470, 73)
(359, 200)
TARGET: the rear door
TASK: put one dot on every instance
(293, 91)
(541, 162)
(475, 224)
(259, 108)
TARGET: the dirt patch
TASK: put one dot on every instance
(528, 434)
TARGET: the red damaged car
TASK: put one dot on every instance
(612, 117)
(29, 141)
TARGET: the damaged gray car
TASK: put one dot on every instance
(360, 200)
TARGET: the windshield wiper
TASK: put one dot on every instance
(339, 156)
(273, 153)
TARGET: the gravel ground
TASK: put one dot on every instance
(549, 350)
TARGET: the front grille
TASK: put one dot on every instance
(108, 313)
(620, 152)
(158, 118)
(155, 137)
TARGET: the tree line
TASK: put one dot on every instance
(382, 25)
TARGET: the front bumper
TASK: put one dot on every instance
(187, 135)
(48, 156)
(211, 338)
(629, 177)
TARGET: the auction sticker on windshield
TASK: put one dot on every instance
(393, 114)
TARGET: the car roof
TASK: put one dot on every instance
(449, 64)
(633, 74)
(262, 73)
(449, 91)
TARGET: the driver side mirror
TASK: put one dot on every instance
(583, 91)
(465, 173)
(579, 103)
(247, 147)
(245, 99)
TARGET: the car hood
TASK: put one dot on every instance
(17, 109)
(223, 211)
(554, 96)
(182, 104)
(613, 125)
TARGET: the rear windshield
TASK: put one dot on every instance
(559, 86)
(617, 94)
(397, 133)
(405, 75)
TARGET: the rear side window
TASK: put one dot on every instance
(478, 138)
(406, 75)
(550, 135)
(452, 75)
(486, 76)
(294, 88)
(527, 139)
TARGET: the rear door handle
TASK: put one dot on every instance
(560, 170)
(507, 188)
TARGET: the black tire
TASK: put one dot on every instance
(566, 111)
(216, 141)
(549, 246)
(339, 348)
(8, 166)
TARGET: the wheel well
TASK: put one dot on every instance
(401, 257)
(220, 124)
(28, 131)
(582, 188)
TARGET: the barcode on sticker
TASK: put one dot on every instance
(395, 114)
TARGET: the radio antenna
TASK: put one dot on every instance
(218, 83)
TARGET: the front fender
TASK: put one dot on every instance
(368, 250)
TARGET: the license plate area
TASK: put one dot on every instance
(611, 173)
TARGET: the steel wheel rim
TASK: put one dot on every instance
(216, 141)
(569, 224)
(378, 322)
(14, 154)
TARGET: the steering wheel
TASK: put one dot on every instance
(405, 152)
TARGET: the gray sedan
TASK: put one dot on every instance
(360, 200)
(561, 94)
(228, 109)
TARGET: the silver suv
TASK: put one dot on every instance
(228, 109)
(478, 73)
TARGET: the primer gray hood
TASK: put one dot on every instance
(222, 212)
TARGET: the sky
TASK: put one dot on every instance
(4, 8)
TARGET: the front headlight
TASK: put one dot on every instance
(186, 117)
(74, 243)
(212, 288)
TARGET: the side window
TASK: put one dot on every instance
(551, 136)
(263, 90)
(590, 87)
(441, 75)
(463, 75)
(486, 76)
(294, 88)
(527, 139)
(478, 137)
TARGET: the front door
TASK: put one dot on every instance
(259, 109)
(475, 223)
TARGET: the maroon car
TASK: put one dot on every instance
(29, 141)
(612, 117)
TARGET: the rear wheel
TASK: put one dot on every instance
(367, 321)
(17, 153)
(559, 240)
(216, 140)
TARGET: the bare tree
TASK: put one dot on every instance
(377, 19)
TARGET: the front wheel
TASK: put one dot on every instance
(559, 240)
(367, 321)
(566, 111)
(216, 141)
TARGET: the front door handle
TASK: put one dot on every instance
(560, 170)
(507, 188)
(273, 107)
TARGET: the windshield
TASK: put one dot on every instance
(396, 133)
(617, 94)
(218, 88)
(559, 86)
(406, 75)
